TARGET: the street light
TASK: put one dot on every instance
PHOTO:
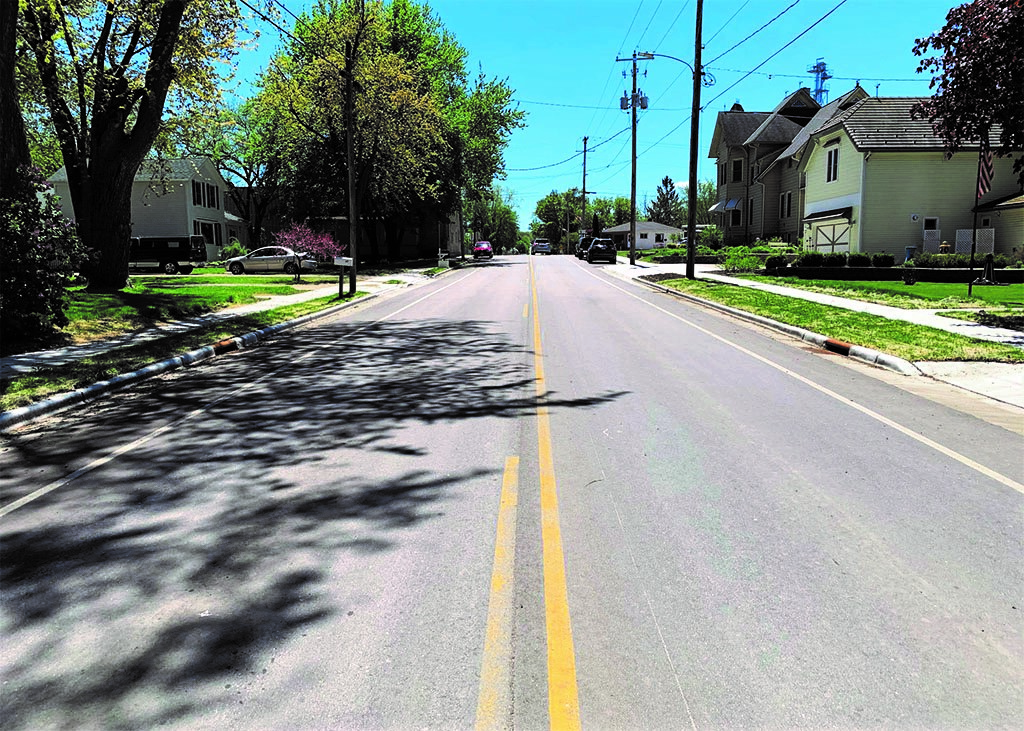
(699, 78)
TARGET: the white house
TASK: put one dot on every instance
(172, 197)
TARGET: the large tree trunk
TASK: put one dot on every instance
(13, 143)
(104, 198)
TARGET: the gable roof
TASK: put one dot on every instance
(820, 118)
(643, 227)
(733, 128)
(885, 123)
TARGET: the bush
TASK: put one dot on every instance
(41, 253)
(234, 248)
(835, 259)
(810, 259)
(778, 261)
(882, 260)
(858, 260)
(710, 237)
(740, 260)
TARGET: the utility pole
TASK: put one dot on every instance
(350, 163)
(691, 193)
(636, 100)
(583, 190)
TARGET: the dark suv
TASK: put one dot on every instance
(582, 245)
(601, 249)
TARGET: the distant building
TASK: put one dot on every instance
(649, 235)
(173, 197)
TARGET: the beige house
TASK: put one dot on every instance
(174, 198)
(875, 180)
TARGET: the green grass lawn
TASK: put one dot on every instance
(902, 339)
(921, 296)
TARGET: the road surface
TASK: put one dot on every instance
(528, 494)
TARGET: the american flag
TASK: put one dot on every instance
(984, 172)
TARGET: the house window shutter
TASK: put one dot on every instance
(197, 193)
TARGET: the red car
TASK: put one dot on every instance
(483, 250)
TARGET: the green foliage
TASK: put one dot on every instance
(493, 219)
(711, 237)
(835, 259)
(810, 259)
(857, 259)
(776, 261)
(667, 208)
(41, 254)
(882, 260)
(958, 261)
(233, 249)
(740, 260)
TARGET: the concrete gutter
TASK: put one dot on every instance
(867, 355)
(91, 393)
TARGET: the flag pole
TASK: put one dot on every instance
(974, 225)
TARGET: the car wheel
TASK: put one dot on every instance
(236, 268)
(290, 268)
(169, 267)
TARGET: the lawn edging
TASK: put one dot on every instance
(865, 355)
(92, 392)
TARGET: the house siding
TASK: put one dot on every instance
(158, 209)
(900, 185)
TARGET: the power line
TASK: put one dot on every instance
(653, 16)
(790, 43)
(626, 37)
(770, 74)
(754, 33)
(672, 25)
(726, 23)
(568, 159)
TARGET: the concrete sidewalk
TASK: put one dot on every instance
(1000, 381)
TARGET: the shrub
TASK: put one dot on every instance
(882, 260)
(234, 248)
(710, 237)
(41, 253)
(858, 260)
(777, 261)
(740, 260)
(810, 259)
(835, 259)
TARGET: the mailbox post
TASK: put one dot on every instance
(343, 262)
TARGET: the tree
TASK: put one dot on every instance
(558, 215)
(667, 208)
(978, 77)
(421, 135)
(611, 211)
(123, 61)
(14, 150)
(493, 219)
(707, 194)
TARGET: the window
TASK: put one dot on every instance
(737, 217)
(786, 204)
(931, 224)
(832, 165)
(721, 173)
(737, 171)
(197, 194)
(986, 222)
(212, 199)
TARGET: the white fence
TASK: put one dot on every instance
(986, 241)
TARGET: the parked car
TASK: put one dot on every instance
(540, 246)
(483, 250)
(602, 249)
(169, 254)
(270, 259)
(582, 245)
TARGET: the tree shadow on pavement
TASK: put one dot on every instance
(193, 554)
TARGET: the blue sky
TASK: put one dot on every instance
(559, 57)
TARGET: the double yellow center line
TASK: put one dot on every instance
(563, 697)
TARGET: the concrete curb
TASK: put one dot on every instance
(63, 401)
(866, 355)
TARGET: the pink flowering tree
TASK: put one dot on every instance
(303, 240)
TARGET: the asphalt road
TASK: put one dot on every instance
(527, 495)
